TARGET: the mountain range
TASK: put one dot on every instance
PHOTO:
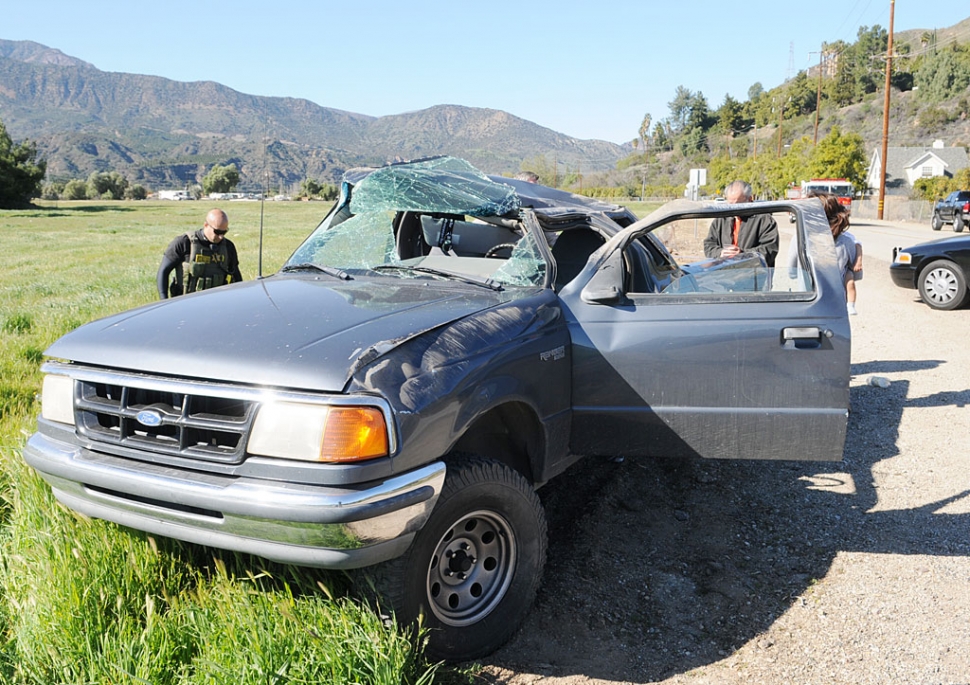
(160, 132)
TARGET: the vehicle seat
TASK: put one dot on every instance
(571, 252)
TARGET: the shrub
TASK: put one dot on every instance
(75, 189)
(932, 189)
(934, 118)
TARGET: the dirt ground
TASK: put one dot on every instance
(777, 572)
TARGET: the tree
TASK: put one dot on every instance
(661, 136)
(730, 116)
(680, 109)
(53, 190)
(943, 75)
(869, 67)
(700, 116)
(309, 187)
(21, 173)
(75, 189)
(794, 165)
(329, 192)
(840, 155)
(106, 186)
(691, 142)
(802, 95)
(841, 89)
(689, 122)
(221, 179)
(722, 170)
(645, 131)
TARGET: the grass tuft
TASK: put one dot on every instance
(17, 323)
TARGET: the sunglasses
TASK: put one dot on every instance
(218, 231)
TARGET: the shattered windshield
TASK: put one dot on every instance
(446, 184)
(440, 218)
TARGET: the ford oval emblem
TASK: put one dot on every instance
(149, 418)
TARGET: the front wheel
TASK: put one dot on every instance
(472, 572)
(936, 223)
(942, 285)
(958, 223)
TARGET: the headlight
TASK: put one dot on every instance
(904, 258)
(315, 432)
(57, 399)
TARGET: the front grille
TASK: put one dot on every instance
(194, 425)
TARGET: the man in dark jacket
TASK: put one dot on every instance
(730, 236)
(201, 259)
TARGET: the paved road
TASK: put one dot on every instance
(878, 238)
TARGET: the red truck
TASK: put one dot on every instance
(839, 187)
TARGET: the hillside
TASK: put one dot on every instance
(160, 132)
(157, 131)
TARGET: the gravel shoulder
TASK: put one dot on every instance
(698, 572)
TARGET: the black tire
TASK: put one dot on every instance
(472, 573)
(958, 223)
(936, 223)
(942, 285)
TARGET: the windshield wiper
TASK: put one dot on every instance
(309, 266)
(464, 278)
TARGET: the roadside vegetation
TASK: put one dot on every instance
(21, 171)
(821, 123)
(86, 601)
(816, 123)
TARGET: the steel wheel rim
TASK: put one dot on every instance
(941, 286)
(471, 568)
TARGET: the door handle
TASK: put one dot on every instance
(804, 337)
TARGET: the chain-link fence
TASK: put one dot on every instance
(894, 209)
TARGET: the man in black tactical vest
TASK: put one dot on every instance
(201, 259)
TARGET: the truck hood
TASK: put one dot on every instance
(292, 331)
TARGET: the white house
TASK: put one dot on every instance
(907, 164)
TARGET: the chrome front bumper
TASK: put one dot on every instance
(292, 523)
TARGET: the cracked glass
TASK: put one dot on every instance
(446, 184)
(480, 231)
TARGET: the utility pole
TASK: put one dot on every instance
(885, 114)
(781, 117)
(818, 93)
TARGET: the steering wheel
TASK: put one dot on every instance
(495, 248)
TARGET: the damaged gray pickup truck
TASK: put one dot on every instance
(439, 347)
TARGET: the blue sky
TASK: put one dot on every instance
(589, 68)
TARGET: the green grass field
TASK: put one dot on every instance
(84, 601)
